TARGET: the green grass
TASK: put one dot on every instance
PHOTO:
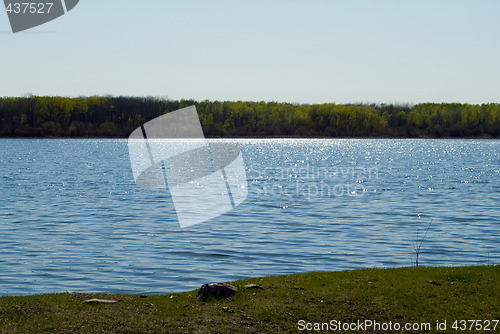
(403, 295)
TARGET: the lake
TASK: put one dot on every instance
(72, 218)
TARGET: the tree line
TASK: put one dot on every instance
(108, 116)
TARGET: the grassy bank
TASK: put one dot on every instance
(402, 295)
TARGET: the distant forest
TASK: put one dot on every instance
(96, 116)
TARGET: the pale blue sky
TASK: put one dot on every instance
(296, 51)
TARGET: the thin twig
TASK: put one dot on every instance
(418, 246)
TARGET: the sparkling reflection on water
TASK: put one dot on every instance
(72, 219)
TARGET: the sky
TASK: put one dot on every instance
(315, 51)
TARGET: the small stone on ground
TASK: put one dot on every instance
(253, 286)
(216, 290)
(99, 301)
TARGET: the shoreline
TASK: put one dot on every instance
(279, 137)
(429, 295)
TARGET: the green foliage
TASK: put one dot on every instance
(97, 116)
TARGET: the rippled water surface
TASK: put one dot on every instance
(72, 219)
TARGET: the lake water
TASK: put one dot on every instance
(72, 218)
